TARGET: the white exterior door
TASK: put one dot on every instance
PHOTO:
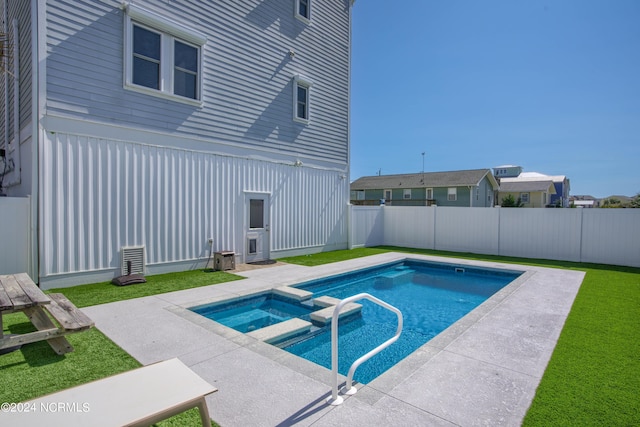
(257, 227)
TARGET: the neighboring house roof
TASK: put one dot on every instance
(584, 202)
(463, 178)
(535, 176)
(527, 186)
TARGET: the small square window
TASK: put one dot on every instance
(301, 99)
(303, 10)
(452, 194)
(524, 197)
(406, 194)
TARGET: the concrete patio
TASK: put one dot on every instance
(483, 370)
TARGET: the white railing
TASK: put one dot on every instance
(349, 389)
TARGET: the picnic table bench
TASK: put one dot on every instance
(139, 397)
(19, 293)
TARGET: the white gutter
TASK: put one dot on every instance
(5, 30)
(38, 50)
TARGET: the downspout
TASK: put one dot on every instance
(5, 30)
(15, 166)
(347, 184)
(36, 22)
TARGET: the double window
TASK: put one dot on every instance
(301, 91)
(162, 58)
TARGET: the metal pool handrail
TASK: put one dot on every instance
(349, 389)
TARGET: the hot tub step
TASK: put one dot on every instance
(325, 315)
(293, 293)
(281, 330)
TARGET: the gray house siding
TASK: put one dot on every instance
(16, 87)
(247, 73)
(481, 195)
(21, 13)
(440, 195)
(484, 197)
(112, 168)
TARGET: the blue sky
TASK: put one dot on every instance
(552, 86)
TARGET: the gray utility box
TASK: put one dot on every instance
(224, 260)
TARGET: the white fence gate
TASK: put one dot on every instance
(606, 236)
(15, 235)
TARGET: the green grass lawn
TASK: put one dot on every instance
(593, 378)
(102, 293)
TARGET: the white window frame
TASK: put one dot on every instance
(296, 11)
(452, 194)
(406, 194)
(170, 32)
(429, 193)
(301, 81)
(524, 198)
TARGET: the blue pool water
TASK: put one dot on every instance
(249, 314)
(431, 297)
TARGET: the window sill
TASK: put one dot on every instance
(302, 19)
(303, 121)
(163, 95)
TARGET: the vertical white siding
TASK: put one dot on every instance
(99, 195)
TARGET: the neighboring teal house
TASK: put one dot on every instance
(468, 188)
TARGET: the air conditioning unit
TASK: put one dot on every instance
(132, 260)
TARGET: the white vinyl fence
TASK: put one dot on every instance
(606, 236)
(15, 236)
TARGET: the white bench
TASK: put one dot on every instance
(139, 397)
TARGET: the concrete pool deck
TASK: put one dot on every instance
(483, 370)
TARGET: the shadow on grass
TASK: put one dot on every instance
(35, 354)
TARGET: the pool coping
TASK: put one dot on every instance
(431, 386)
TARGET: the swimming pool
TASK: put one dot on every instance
(432, 296)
